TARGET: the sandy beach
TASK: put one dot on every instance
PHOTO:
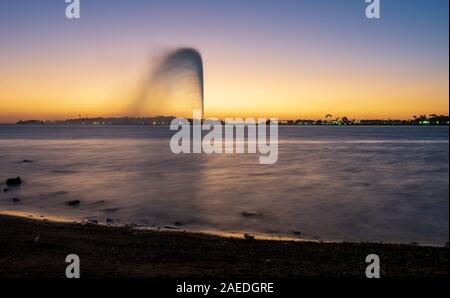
(35, 249)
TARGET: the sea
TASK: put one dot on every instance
(330, 183)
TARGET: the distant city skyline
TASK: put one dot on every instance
(296, 59)
(161, 119)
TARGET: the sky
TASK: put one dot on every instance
(288, 59)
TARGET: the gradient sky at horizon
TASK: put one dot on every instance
(263, 58)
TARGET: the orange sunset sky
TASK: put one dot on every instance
(296, 59)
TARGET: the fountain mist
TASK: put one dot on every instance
(181, 65)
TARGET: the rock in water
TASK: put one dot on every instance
(13, 181)
(73, 203)
(251, 213)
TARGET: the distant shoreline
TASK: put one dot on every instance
(280, 124)
(423, 120)
(32, 248)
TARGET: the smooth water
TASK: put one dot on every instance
(387, 184)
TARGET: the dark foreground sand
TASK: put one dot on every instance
(122, 252)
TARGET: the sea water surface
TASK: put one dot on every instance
(387, 184)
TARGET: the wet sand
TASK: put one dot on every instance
(35, 249)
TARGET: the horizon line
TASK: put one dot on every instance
(327, 117)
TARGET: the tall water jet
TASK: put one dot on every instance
(180, 71)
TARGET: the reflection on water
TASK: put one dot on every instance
(332, 183)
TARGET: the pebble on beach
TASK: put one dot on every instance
(249, 237)
(111, 220)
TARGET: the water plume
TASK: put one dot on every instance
(178, 79)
